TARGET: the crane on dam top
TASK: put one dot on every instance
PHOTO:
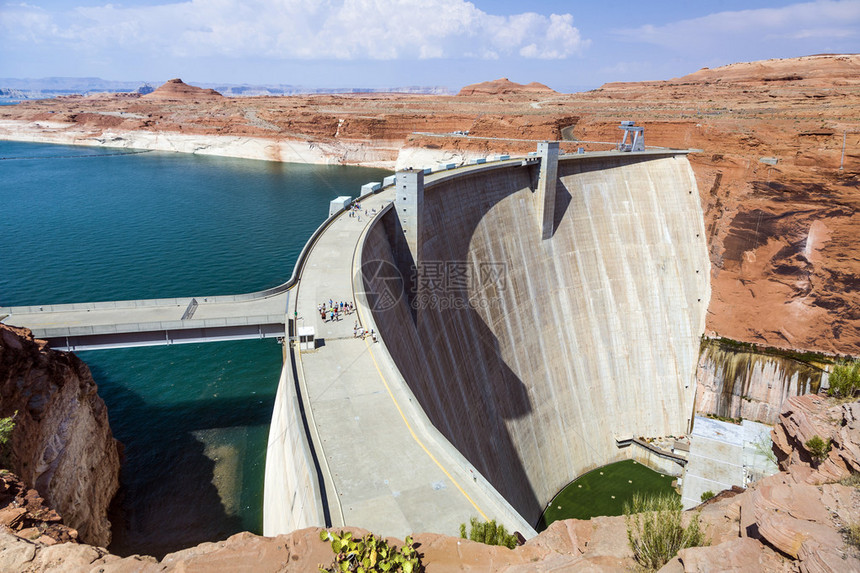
(637, 137)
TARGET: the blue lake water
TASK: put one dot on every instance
(86, 224)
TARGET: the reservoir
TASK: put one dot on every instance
(86, 224)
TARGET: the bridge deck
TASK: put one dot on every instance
(131, 323)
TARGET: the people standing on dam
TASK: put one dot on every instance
(335, 310)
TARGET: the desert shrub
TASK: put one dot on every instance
(488, 532)
(853, 480)
(763, 446)
(844, 380)
(708, 495)
(852, 533)
(6, 427)
(370, 554)
(818, 448)
(656, 532)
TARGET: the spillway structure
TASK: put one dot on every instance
(541, 312)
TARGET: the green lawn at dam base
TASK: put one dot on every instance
(604, 491)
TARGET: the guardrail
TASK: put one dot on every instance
(163, 325)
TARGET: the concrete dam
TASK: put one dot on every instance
(542, 312)
(533, 316)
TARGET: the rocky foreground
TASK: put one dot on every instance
(62, 444)
(792, 521)
(781, 199)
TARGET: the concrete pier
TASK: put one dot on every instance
(409, 205)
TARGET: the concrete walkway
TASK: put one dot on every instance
(385, 467)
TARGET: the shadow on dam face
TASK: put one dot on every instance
(532, 355)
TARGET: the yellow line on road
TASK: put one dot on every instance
(415, 437)
(363, 233)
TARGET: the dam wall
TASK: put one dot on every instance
(742, 383)
(292, 497)
(533, 355)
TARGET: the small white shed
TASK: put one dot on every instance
(306, 338)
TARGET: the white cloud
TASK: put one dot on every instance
(298, 29)
(823, 19)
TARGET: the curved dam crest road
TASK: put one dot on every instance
(383, 464)
(490, 409)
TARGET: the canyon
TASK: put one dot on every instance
(780, 206)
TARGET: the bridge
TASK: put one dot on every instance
(151, 322)
(120, 324)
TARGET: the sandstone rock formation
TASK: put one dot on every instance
(792, 521)
(505, 86)
(806, 416)
(24, 512)
(821, 71)
(62, 444)
(734, 381)
(782, 233)
(176, 89)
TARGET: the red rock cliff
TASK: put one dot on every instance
(62, 444)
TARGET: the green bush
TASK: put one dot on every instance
(370, 554)
(853, 480)
(6, 427)
(844, 380)
(852, 532)
(763, 446)
(818, 448)
(488, 532)
(708, 495)
(656, 532)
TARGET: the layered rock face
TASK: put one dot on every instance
(62, 444)
(24, 512)
(808, 416)
(741, 383)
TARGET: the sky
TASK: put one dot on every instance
(569, 45)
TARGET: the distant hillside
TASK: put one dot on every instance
(44, 88)
(177, 89)
(505, 86)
